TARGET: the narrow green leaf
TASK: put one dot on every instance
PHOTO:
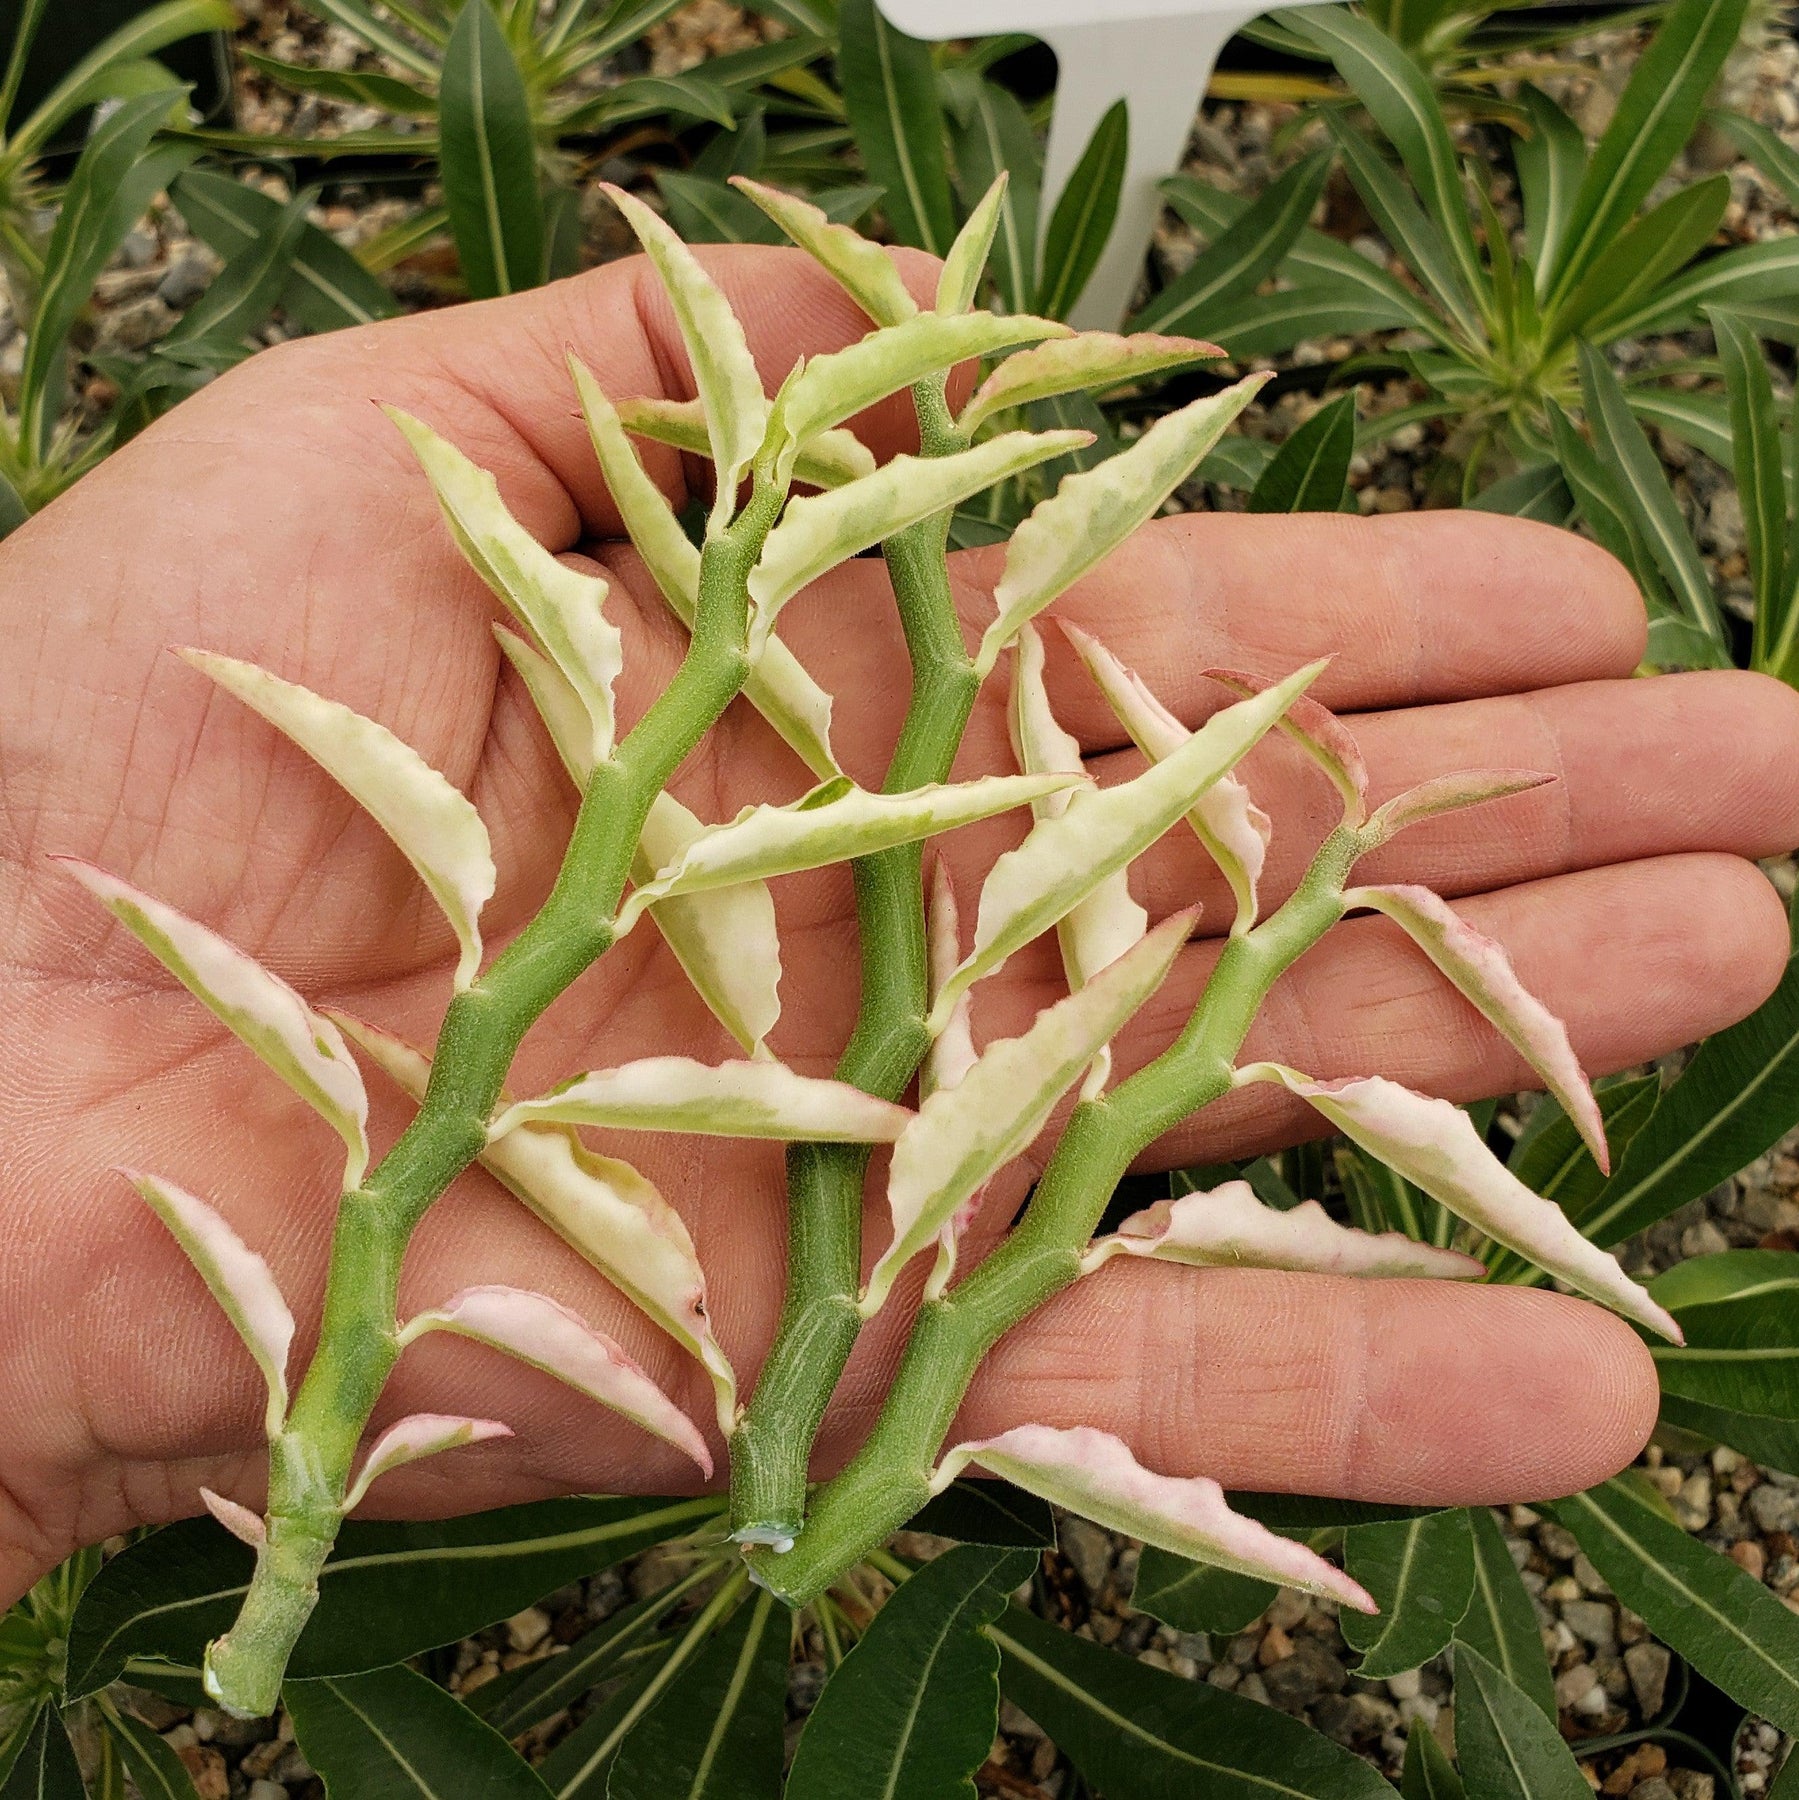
(1771, 154)
(1421, 1572)
(393, 1735)
(158, 1772)
(716, 1732)
(706, 211)
(1696, 1600)
(388, 1592)
(1740, 1313)
(994, 139)
(489, 159)
(1193, 1596)
(1085, 211)
(1537, 491)
(1761, 485)
(1428, 1772)
(987, 1512)
(1270, 324)
(1737, 1097)
(1598, 499)
(1504, 1745)
(1501, 1620)
(1550, 160)
(45, 1767)
(1636, 263)
(1766, 272)
(355, 87)
(890, 91)
(1133, 1730)
(913, 1709)
(1310, 471)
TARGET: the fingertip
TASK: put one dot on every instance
(1618, 1385)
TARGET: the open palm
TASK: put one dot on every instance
(280, 518)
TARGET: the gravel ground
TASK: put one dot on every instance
(1611, 1677)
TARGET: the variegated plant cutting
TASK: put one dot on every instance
(639, 860)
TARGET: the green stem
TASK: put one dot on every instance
(890, 1478)
(310, 1462)
(772, 1446)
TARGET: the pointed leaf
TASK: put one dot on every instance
(1448, 793)
(1087, 361)
(962, 1136)
(1231, 1227)
(437, 830)
(1093, 1473)
(1319, 733)
(560, 607)
(1193, 1596)
(913, 1709)
(1085, 212)
(1310, 471)
(557, 703)
(724, 372)
(1093, 512)
(860, 267)
(828, 389)
(1421, 1574)
(157, 1772)
(832, 824)
(1505, 1748)
(736, 1099)
(952, 1053)
(258, 1008)
(411, 1440)
(1501, 1620)
(1434, 1144)
(1483, 975)
(45, 1767)
(1642, 258)
(1550, 161)
(538, 1330)
(818, 533)
(997, 141)
(1761, 486)
(959, 281)
(247, 1527)
(239, 1279)
(827, 460)
(1233, 829)
(1063, 860)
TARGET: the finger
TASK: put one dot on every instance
(1696, 762)
(1414, 1392)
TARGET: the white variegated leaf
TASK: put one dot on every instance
(239, 1280)
(1230, 1228)
(612, 1215)
(243, 1524)
(1092, 1473)
(258, 1008)
(435, 827)
(1091, 359)
(1483, 974)
(1234, 830)
(861, 268)
(825, 461)
(962, 1136)
(545, 1334)
(952, 1051)
(411, 1440)
(724, 372)
(1435, 1146)
(1448, 793)
(560, 607)
(1065, 859)
(833, 823)
(817, 533)
(558, 705)
(736, 1099)
(1094, 511)
(959, 280)
(1318, 732)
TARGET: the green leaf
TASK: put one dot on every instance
(1506, 1748)
(1194, 1596)
(356, 87)
(356, 18)
(1761, 484)
(1135, 1731)
(1428, 1773)
(1421, 1572)
(1601, 506)
(1085, 211)
(1537, 491)
(1699, 419)
(1757, 272)
(890, 91)
(1697, 1601)
(389, 1591)
(112, 184)
(1245, 251)
(1310, 471)
(695, 96)
(994, 138)
(1270, 324)
(1740, 1313)
(706, 211)
(1295, 1513)
(1550, 160)
(327, 287)
(1398, 93)
(158, 1772)
(1501, 1620)
(1655, 117)
(246, 291)
(716, 1731)
(1771, 154)
(1737, 1097)
(489, 160)
(1639, 260)
(993, 1513)
(391, 1734)
(45, 1767)
(1643, 489)
(912, 1711)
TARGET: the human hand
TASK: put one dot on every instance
(278, 517)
